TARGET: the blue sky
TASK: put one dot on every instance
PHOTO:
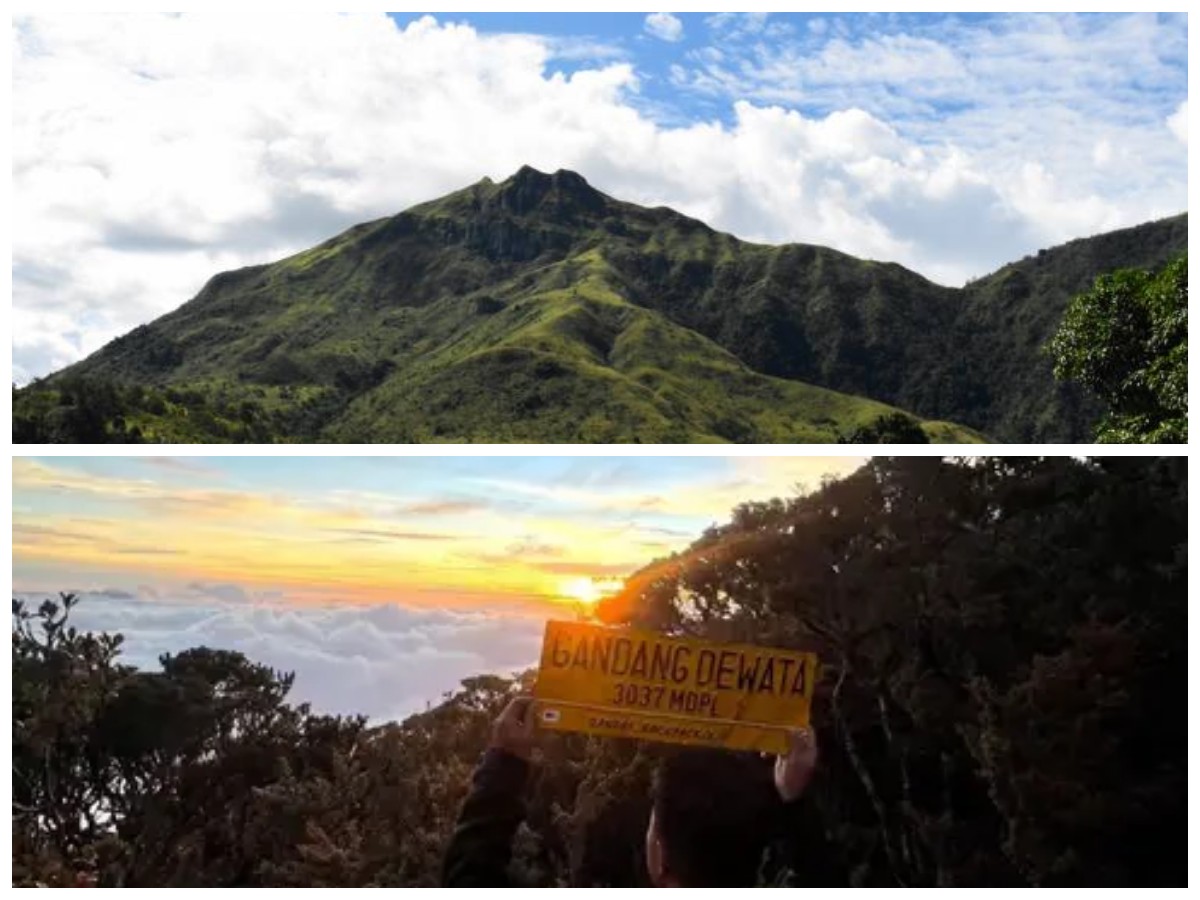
(586, 39)
(151, 151)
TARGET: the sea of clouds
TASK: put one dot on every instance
(385, 661)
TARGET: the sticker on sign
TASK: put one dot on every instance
(638, 684)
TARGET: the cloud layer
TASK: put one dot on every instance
(381, 582)
(150, 152)
(383, 661)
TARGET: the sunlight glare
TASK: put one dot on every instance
(589, 590)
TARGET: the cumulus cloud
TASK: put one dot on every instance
(664, 26)
(150, 152)
(1178, 123)
(384, 661)
(996, 117)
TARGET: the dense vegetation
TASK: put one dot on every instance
(1126, 341)
(539, 309)
(1003, 702)
(93, 411)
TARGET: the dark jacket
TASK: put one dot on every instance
(481, 846)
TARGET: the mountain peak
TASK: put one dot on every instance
(561, 177)
(563, 193)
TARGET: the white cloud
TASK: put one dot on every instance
(1015, 100)
(383, 661)
(1178, 123)
(752, 24)
(664, 26)
(150, 152)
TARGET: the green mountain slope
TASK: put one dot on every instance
(539, 309)
(971, 355)
(1006, 381)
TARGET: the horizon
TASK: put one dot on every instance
(950, 144)
(379, 581)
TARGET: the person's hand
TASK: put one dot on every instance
(794, 770)
(513, 730)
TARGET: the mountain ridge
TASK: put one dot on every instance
(494, 312)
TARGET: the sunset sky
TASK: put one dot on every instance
(380, 581)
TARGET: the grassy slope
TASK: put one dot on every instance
(538, 309)
(581, 363)
(484, 316)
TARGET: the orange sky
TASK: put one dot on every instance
(450, 532)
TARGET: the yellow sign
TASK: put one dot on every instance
(638, 684)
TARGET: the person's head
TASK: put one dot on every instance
(707, 824)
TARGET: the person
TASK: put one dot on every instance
(713, 812)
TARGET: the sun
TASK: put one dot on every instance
(588, 590)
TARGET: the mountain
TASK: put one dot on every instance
(541, 310)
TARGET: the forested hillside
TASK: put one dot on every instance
(1003, 702)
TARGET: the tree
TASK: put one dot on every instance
(151, 777)
(999, 640)
(61, 787)
(1126, 341)
(1003, 701)
(889, 428)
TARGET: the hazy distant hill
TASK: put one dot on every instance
(539, 309)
